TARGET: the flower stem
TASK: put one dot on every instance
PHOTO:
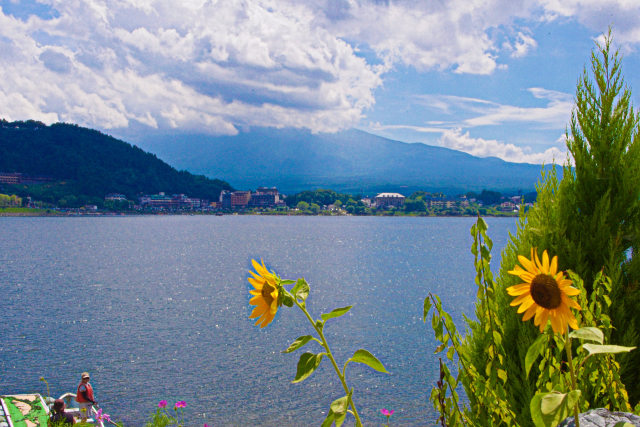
(576, 410)
(325, 344)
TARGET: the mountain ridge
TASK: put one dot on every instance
(349, 161)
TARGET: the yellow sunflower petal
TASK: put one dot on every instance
(542, 316)
(572, 321)
(545, 262)
(553, 268)
(517, 271)
(529, 313)
(570, 303)
(258, 311)
(526, 304)
(556, 321)
(527, 264)
(519, 300)
(257, 284)
(519, 289)
(570, 291)
(261, 269)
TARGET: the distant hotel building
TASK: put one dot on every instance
(264, 197)
(174, 202)
(15, 178)
(384, 200)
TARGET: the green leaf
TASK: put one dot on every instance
(336, 313)
(502, 374)
(363, 356)
(300, 290)
(328, 420)
(299, 342)
(588, 333)
(533, 352)
(287, 299)
(337, 412)
(307, 364)
(427, 307)
(339, 406)
(287, 282)
(599, 349)
(549, 409)
(623, 424)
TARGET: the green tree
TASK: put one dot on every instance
(590, 219)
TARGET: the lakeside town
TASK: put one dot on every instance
(268, 200)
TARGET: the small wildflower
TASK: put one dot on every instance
(386, 412)
(162, 404)
(181, 404)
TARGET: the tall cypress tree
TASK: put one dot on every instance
(590, 219)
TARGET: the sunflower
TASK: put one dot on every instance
(545, 293)
(265, 294)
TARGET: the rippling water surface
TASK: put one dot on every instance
(156, 307)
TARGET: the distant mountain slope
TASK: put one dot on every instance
(350, 161)
(93, 163)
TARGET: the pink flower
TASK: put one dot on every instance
(181, 404)
(206, 425)
(162, 404)
(386, 412)
(103, 417)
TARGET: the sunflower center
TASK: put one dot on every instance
(545, 291)
(266, 293)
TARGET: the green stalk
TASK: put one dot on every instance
(576, 409)
(333, 361)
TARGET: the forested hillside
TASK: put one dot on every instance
(86, 164)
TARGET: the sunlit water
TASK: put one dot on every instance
(156, 307)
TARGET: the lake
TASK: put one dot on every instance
(156, 307)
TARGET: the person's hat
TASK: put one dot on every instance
(84, 375)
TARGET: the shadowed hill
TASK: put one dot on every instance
(87, 163)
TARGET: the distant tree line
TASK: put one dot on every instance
(85, 165)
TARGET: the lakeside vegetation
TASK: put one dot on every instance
(317, 202)
(555, 330)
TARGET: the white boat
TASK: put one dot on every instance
(29, 410)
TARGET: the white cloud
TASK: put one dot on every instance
(215, 65)
(597, 15)
(554, 115)
(205, 65)
(523, 45)
(457, 140)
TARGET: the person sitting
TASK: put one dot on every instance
(59, 416)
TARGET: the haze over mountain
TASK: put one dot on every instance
(350, 161)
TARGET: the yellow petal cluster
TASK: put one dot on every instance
(265, 294)
(544, 293)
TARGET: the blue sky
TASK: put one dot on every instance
(488, 77)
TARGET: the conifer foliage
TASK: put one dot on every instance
(591, 220)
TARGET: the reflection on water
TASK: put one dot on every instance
(157, 308)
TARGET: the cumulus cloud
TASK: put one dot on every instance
(456, 139)
(205, 65)
(215, 65)
(598, 15)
